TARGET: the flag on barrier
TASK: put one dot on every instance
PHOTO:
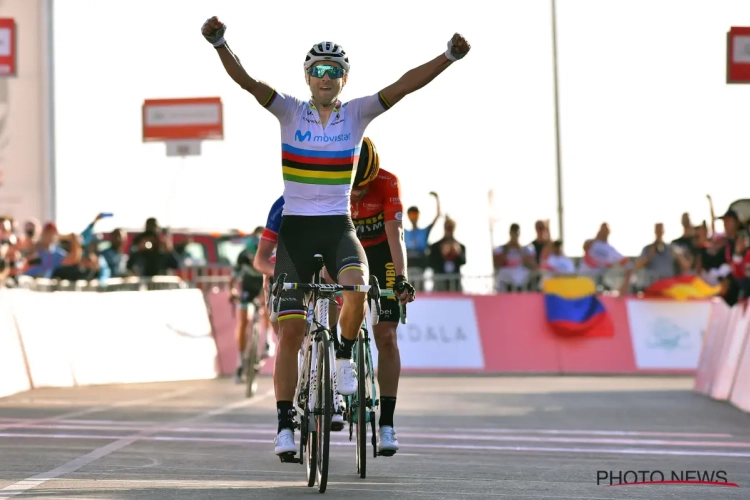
(573, 308)
(682, 288)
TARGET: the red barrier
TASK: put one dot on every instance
(509, 333)
(223, 323)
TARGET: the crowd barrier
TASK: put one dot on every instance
(509, 333)
(724, 369)
(71, 338)
(68, 338)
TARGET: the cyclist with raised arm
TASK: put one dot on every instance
(377, 212)
(320, 145)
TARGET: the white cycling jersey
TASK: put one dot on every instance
(319, 163)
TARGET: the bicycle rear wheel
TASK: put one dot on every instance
(252, 358)
(324, 409)
(361, 408)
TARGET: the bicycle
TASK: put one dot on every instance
(361, 406)
(316, 395)
(252, 360)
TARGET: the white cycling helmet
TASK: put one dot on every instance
(327, 51)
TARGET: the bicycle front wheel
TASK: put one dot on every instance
(324, 409)
(361, 408)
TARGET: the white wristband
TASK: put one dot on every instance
(449, 55)
(221, 42)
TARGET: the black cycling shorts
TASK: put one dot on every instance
(381, 266)
(300, 238)
(251, 288)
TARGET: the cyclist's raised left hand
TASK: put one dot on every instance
(458, 47)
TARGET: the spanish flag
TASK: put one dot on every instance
(573, 308)
(682, 288)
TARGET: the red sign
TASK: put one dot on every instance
(197, 118)
(7, 47)
(738, 55)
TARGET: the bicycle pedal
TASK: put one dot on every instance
(289, 458)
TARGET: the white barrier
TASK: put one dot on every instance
(88, 338)
(724, 370)
(13, 375)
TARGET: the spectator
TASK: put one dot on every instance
(49, 254)
(513, 263)
(542, 239)
(81, 264)
(660, 260)
(116, 260)
(735, 285)
(6, 230)
(151, 257)
(31, 230)
(599, 255)
(416, 240)
(151, 228)
(446, 258)
(7, 260)
(688, 241)
(554, 261)
(734, 254)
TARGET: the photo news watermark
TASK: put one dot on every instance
(646, 477)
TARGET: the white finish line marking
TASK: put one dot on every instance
(72, 466)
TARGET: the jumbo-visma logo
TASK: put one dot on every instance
(308, 137)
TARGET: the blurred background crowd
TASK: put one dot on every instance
(434, 259)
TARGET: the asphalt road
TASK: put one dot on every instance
(460, 437)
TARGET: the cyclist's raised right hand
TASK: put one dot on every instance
(213, 30)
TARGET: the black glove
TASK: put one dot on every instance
(401, 286)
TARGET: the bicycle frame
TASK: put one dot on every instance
(317, 319)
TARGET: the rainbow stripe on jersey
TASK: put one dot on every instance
(318, 167)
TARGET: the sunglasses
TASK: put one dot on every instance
(333, 71)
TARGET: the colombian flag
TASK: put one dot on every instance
(682, 288)
(573, 308)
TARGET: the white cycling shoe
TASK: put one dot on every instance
(346, 378)
(284, 442)
(387, 442)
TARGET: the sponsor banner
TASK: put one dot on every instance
(440, 334)
(25, 182)
(667, 335)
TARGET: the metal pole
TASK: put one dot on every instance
(50, 187)
(557, 123)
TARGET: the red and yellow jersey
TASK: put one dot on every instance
(381, 204)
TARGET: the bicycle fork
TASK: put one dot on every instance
(322, 314)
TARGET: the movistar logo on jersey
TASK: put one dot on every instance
(308, 137)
